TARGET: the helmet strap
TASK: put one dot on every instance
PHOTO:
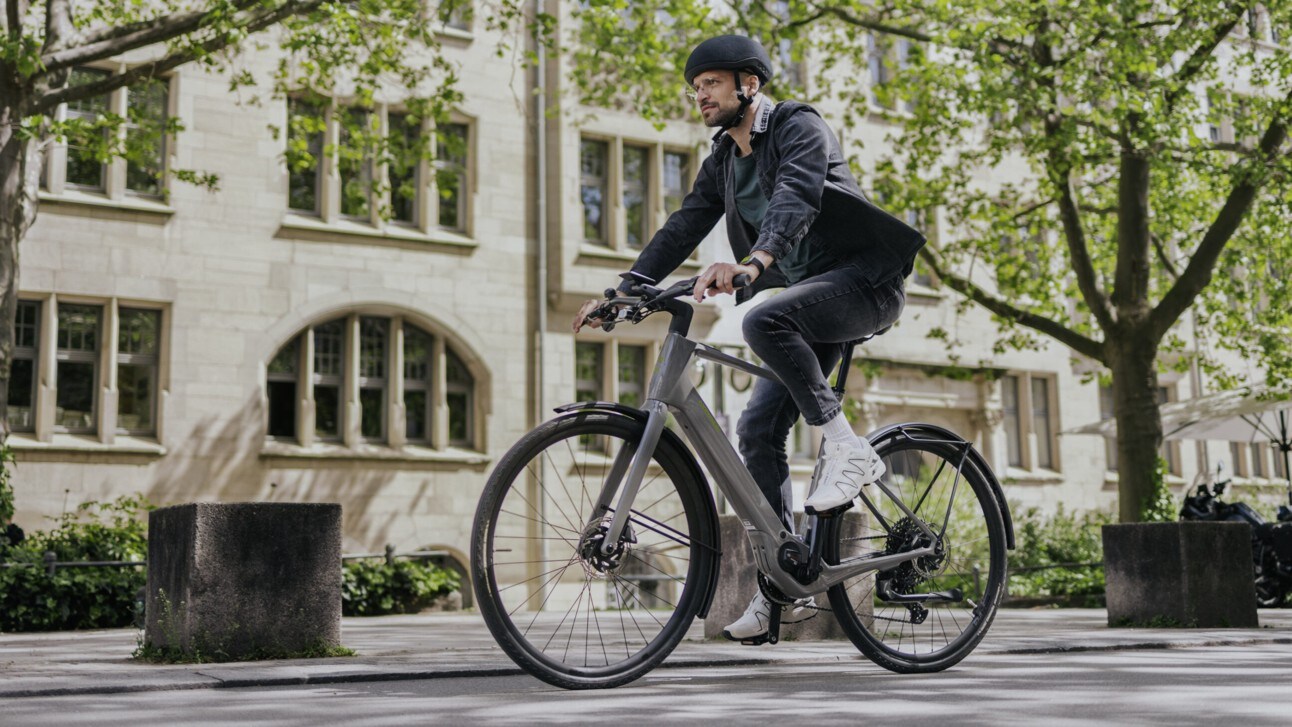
(744, 105)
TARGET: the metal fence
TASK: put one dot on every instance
(50, 562)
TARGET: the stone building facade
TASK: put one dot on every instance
(276, 340)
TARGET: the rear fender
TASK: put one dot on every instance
(918, 431)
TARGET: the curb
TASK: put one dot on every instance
(202, 680)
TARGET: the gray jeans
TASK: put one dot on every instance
(800, 334)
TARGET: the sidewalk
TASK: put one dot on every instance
(455, 645)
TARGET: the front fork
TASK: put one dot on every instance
(629, 468)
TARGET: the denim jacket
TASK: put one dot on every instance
(812, 196)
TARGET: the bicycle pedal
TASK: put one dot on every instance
(759, 640)
(832, 512)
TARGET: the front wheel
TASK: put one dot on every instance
(562, 607)
(926, 614)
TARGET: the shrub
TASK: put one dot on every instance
(376, 588)
(1063, 537)
(77, 598)
(6, 485)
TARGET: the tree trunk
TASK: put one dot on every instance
(1139, 423)
(17, 210)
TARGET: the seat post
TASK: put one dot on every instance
(841, 380)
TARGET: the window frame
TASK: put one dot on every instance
(105, 418)
(114, 175)
(614, 187)
(329, 187)
(150, 360)
(607, 381)
(1030, 454)
(27, 353)
(352, 380)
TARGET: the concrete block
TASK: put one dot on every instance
(1195, 574)
(244, 580)
(738, 582)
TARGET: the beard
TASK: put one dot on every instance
(723, 118)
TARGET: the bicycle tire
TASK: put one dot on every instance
(676, 546)
(914, 474)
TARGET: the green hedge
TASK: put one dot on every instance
(104, 597)
(1064, 537)
(376, 588)
(77, 598)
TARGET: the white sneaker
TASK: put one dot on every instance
(841, 473)
(754, 621)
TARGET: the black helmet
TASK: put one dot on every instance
(729, 52)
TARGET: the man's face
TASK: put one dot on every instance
(715, 96)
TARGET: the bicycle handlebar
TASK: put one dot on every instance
(643, 300)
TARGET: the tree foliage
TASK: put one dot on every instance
(349, 54)
(1101, 168)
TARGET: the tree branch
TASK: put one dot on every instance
(1059, 332)
(59, 30)
(877, 26)
(1197, 60)
(1078, 247)
(107, 42)
(253, 23)
(1197, 274)
(1160, 248)
(1060, 173)
(13, 12)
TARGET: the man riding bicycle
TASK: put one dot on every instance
(795, 219)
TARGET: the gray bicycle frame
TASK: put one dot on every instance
(670, 389)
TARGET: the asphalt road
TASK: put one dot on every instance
(1247, 685)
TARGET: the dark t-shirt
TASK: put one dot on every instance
(804, 259)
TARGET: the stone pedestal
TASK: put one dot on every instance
(1191, 574)
(244, 581)
(738, 582)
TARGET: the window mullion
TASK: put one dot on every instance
(397, 417)
(47, 371)
(427, 199)
(610, 371)
(350, 412)
(377, 167)
(1025, 424)
(330, 175)
(614, 204)
(306, 411)
(655, 190)
(114, 183)
(439, 399)
(56, 160)
(108, 392)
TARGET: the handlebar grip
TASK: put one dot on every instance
(741, 280)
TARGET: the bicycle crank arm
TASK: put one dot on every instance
(884, 589)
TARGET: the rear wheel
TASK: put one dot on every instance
(559, 605)
(928, 613)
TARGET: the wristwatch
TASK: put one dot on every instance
(751, 260)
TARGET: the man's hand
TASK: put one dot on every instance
(719, 276)
(585, 310)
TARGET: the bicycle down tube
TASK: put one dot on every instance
(671, 389)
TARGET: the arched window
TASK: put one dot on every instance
(370, 379)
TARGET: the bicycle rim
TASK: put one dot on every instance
(927, 635)
(564, 611)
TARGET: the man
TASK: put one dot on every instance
(795, 219)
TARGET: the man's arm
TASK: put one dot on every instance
(804, 146)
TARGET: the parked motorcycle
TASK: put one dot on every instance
(1271, 541)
